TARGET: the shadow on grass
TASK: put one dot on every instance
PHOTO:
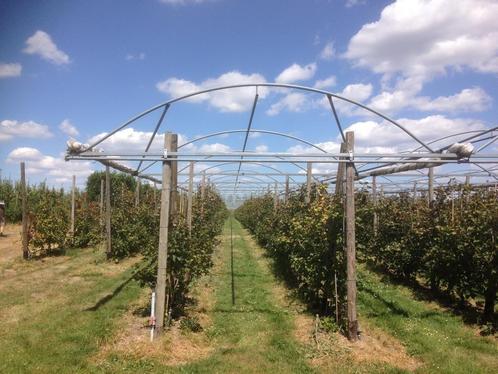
(108, 297)
(470, 314)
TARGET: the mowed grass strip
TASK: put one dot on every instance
(55, 314)
(439, 338)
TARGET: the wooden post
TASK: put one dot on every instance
(467, 180)
(339, 180)
(101, 205)
(174, 178)
(308, 182)
(137, 192)
(275, 197)
(189, 197)
(73, 207)
(374, 200)
(431, 185)
(414, 192)
(24, 207)
(286, 188)
(351, 242)
(108, 249)
(170, 140)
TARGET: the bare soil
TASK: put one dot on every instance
(10, 243)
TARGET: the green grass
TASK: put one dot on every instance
(252, 336)
(46, 325)
(437, 337)
(56, 314)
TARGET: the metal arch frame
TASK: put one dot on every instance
(243, 175)
(252, 163)
(257, 85)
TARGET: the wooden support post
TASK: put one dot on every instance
(431, 185)
(286, 188)
(73, 207)
(170, 142)
(203, 185)
(137, 192)
(414, 192)
(101, 204)
(351, 242)
(374, 201)
(467, 180)
(339, 180)
(189, 197)
(24, 207)
(275, 197)
(308, 182)
(108, 248)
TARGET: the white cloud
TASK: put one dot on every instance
(468, 100)
(358, 92)
(214, 148)
(385, 135)
(10, 70)
(328, 52)
(10, 129)
(262, 148)
(230, 100)
(40, 43)
(295, 73)
(325, 83)
(423, 38)
(68, 128)
(293, 102)
(54, 168)
(138, 56)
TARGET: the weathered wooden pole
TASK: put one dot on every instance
(308, 182)
(108, 248)
(73, 206)
(170, 141)
(24, 207)
(286, 188)
(189, 197)
(467, 180)
(431, 185)
(414, 192)
(374, 201)
(101, 204)
(351, 242)
(339, 180)
(137, 192)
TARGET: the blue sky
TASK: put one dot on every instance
(81, 68)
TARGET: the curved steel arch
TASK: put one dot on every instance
(252, 163)
(247, 176)
(242, 175)
(219, 133)
(168, 103)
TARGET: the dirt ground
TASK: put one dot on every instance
(10, 243)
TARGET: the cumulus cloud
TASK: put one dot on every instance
(296, 73)
(328, 51)
(68, 128)
(326, 83)
(54, 168)
(10, 70)
(293, 102)
(262, 148)
(40, 43)
(468, 100)
(10, 129)
(422, 38)
(232, 100)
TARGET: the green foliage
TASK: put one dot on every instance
(190, 324)
(189, 255)
(305, 241)
(119, 182)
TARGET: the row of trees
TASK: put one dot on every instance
(134, 227)
(449, 244)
